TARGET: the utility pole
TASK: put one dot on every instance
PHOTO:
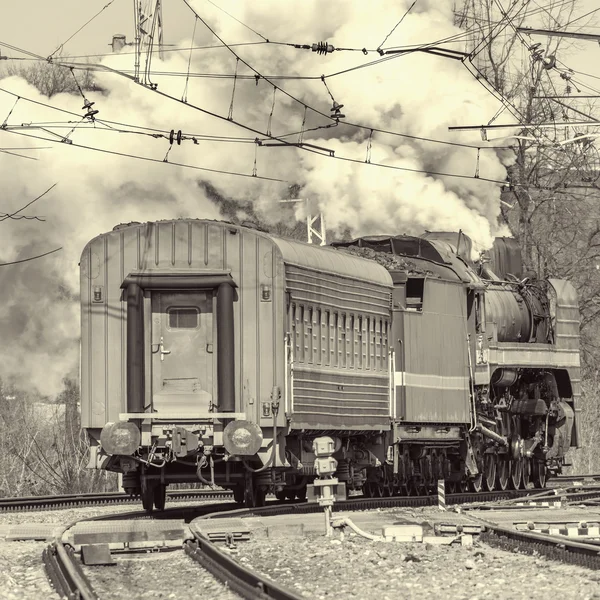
(148, 30)
(315, 225)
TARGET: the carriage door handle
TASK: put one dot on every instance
(162, 350)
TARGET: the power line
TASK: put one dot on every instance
(307, 147)
(581, 17)
(17, 154)
(16, 262)
(11, 215)
(344, 122)
(82, 27)
(147, 158)
(396, 25)
(240, 22)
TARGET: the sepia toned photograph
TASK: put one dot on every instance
(300, 300)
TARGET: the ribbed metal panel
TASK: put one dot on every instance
(340, 329)
(341, 293)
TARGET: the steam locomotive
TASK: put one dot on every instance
(217, 353)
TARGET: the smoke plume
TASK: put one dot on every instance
(418, 94)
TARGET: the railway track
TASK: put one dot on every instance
(82, 500)
(557, 547)
(67, 577)
(562, 479)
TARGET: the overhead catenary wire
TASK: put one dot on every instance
(147, 158)
(328, 117)
(18, 155)
(309, 149)
(395, 26)
(82, 27)
(344, 122)
(29, 258)
(249, 66)
(16, 212)
(240, 22)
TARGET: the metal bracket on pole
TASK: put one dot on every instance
(315, 225)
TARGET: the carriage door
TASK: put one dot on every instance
(182, 351)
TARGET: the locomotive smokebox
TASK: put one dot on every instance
(122, 438)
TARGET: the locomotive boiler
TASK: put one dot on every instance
(217, 353)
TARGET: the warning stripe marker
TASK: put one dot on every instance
(441, 492)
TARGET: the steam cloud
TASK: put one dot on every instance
(418, 94)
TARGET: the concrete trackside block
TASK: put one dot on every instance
(96, 554)
(44, 532)
(403, 533)
(129, 534)
(222, 530)
(455, 529)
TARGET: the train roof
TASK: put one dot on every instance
(301, 254)
(322, 258)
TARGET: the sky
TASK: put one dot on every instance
(419, 95)
(27, 24)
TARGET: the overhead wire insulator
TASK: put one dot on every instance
(322, 48)
(175, 137)
(336, 111)
(87, 105)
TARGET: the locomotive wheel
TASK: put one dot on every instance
(147, 495)
(238, 494)
(516, 474)
(260, 496)
(301, 493)
(502, 474)
(463, 486)
(282, 495)
(489, 470)
(476, 484)
(254, 496)
(376, 489)
(420, 488)
(160, 496)
(527, 472)
(540, 474)
(406, 489)
(367, 490)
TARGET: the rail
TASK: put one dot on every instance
(70, 581)
(75, 500)
(243, 581)
(65, 573)
(556, 547)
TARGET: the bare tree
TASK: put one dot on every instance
(552, 205)
(50, 78)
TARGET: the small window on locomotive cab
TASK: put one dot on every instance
(414, 294)
(183, 317)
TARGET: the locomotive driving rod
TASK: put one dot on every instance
(494, 436)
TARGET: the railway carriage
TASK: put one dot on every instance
(217, 353)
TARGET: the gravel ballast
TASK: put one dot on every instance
(330, 568)
(167, 575)
(22, 575)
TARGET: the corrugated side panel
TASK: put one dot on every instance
(180, 246)
(435, 379)
(340, 330)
